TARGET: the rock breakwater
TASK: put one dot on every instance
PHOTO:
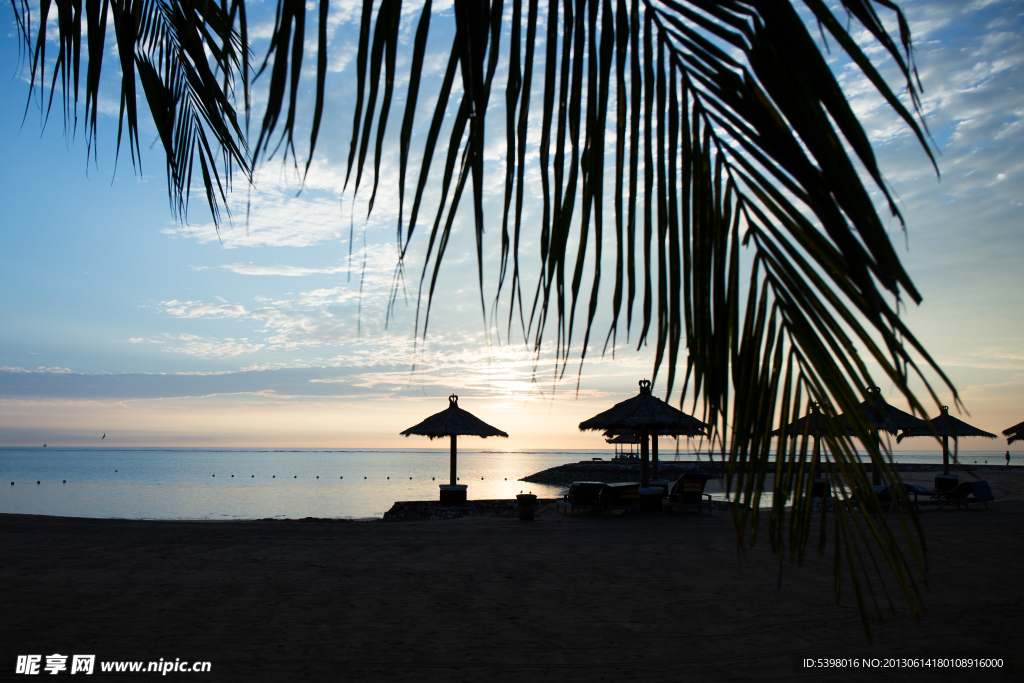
(607, 471)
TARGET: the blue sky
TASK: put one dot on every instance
(119, 319)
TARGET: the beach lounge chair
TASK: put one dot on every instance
(687, 493)
(966, 493)
(917, 495)
(620, 496)
(582, 495)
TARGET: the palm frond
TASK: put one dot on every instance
(748, 144)
(186, 54)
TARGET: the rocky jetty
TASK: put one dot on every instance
(612, 471)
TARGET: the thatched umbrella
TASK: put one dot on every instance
(631, 436)
(945, 425)
(621, 440)
(882, 416)
(642, 415)
(1014, 433)
(453, 422)
(813, 424)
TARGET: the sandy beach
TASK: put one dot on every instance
(494, 599)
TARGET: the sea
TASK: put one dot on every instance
(252, 483)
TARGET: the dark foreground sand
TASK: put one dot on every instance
(489, 599)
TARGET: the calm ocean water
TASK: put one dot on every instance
(207, 483)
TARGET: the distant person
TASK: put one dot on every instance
(1007, 458)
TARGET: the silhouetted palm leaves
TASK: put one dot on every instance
(187, 56)
(728, 130)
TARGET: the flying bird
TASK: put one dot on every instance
(103, 437)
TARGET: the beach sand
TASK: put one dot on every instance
(494, 599)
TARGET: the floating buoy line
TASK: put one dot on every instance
(274, 476)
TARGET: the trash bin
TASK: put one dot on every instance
(527, 501)
(821, 488)
(650, 499)
(453, 495)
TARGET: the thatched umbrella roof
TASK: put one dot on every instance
(812, 423)
(883, 416)
(1014, 433)
(621, 438)
(946, 425)
(453, 421)
(644, 413)
(687, 430)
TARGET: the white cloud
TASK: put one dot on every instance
(277, 220)
(214, 348)
(287, 271)
(199, 309)
(202, 347)
(38, 370)
(198, 373)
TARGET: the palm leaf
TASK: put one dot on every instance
(735, 154)
(187, 55)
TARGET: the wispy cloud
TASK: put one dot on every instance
(1008, 355)
(199, 309)
(287, 271)
(202, 347)
(380, 370)
(38, 370)
(276, 220)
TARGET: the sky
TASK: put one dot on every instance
(120, 319)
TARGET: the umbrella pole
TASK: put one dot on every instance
(451, 477)
(645, 478)
(816, 466)
(876, 471)
(654, 456)
(945, 455)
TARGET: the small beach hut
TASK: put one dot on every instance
(1014, 433)
(945, 425)
(643, 415)
(881, 416)
(632, 437)
(453, 422)
(619, 442)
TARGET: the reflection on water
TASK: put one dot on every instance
(252, 484)
(249, 484)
